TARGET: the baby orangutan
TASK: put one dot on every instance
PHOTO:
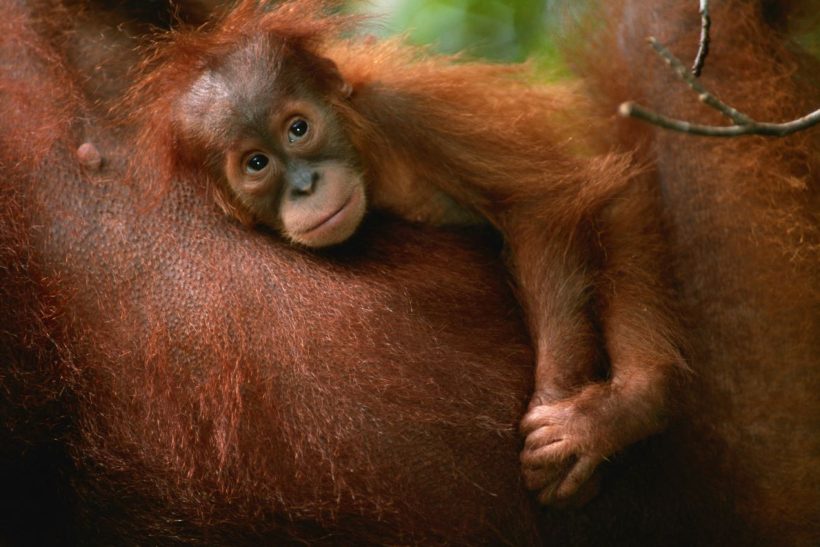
(292, 127)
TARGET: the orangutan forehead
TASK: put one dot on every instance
(238, 90)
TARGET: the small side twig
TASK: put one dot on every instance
(703, 94)
(703, 45)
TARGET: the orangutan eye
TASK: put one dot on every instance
(256, 164)
(297, 130)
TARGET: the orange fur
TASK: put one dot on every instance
(168, 378)
(582, 234)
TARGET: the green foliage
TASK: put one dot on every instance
(507, 30)
(501, 30)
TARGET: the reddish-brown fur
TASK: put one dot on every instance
(163, 382)
(582, 232)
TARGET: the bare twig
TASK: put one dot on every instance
(703, 94)
(630, 109)
(703, 47)
(744, 124)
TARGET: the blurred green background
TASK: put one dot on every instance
(506, 30)
(501, 30)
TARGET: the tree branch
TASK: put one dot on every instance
(703, 47)
(630, 109)
(744, 124)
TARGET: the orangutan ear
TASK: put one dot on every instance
(333, 76)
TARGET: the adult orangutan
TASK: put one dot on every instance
(170, 378)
